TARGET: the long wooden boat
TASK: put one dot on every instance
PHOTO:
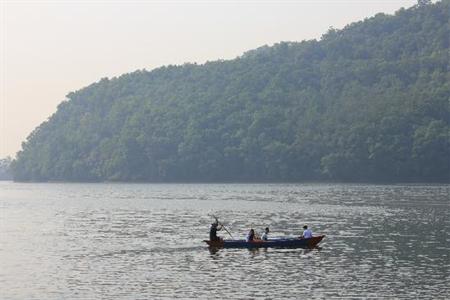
(275, 242)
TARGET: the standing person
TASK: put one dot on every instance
(213, 231)
(265, 234)
(307, 233)
(250, 235)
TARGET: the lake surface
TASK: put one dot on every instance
(144, 241)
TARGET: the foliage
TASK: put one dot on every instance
(5, 172)
(366, 103)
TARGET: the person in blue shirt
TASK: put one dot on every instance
(307, 233)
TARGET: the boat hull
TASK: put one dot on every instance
(271, 243)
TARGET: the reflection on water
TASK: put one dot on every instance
(142, 241)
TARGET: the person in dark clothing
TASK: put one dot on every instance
(213, 231)
(251, 235)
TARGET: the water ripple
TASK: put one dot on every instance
(141, 241)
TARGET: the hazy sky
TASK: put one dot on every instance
(50, 48)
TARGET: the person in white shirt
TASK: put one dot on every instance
(265, 234)
(307, 233)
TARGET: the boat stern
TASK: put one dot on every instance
(312, 242)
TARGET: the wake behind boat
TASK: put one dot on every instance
(270, 243)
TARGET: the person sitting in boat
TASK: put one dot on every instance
(307, 233)
(264, 236)
(250, 236)
(213, 231)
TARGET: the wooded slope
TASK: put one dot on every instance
(366, 103)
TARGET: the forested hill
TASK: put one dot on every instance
(366, 103)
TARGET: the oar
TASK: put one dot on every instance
(223, 226)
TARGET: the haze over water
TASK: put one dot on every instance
(144, 241)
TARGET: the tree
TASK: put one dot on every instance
(5, 168)
(423, 2)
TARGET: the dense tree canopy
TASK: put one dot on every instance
(369, 102)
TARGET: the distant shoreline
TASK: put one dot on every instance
(242, 182)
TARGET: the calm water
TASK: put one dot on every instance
(144, 241)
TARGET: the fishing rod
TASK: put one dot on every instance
(223, 226)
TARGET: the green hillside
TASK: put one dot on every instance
(366, 103)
